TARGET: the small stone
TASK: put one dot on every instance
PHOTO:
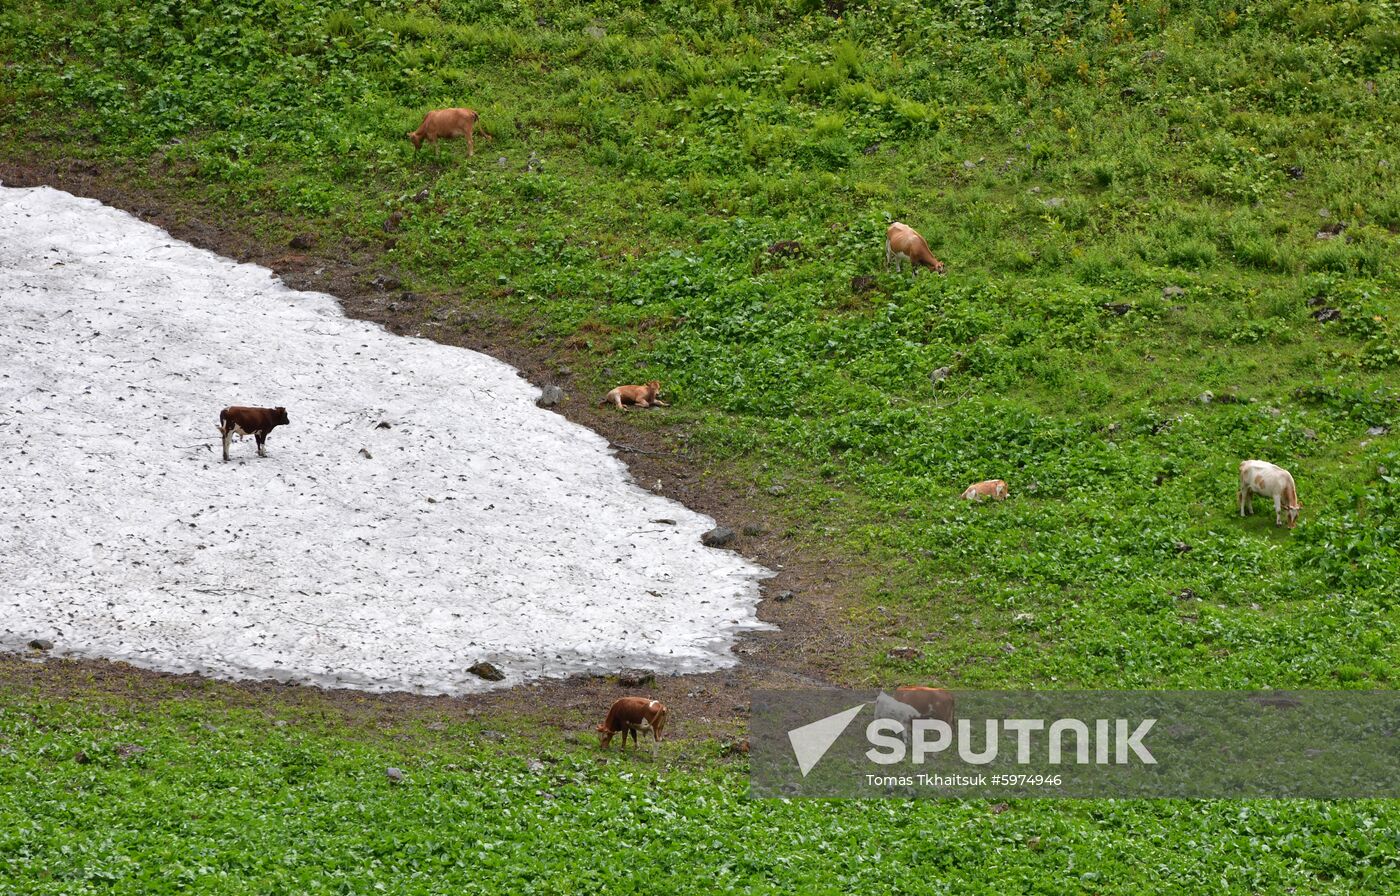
(969, 164)
(364, 452)
(1181, 547)
(783, 597)
(1324, 213)
(1206, 397)
(385, 283)
(1377, 431)
(785, 249)
(41, 644)
(126, 751)
(302, 241)
(597, 32)
(776, 490)
(1118, 308)
(718, 537)
(410, 297)
(754, 531)
(1326, 315)
(564, 370)
(395, 775)
(1170, 292)
(665, 521)
(1186, 594)
(635, 678)
(421, 195)
(383, 424)
(1274, 412)
(487, 671)
(81, 758)
(1033, 843)
(862, 283)
(534, 766)
(1324, 235)
(391, 223)
(904, 653)
(999, 808)
(494, 736)
(1295, 172)
(1055, 202)
(870, 150)
(1310, 435)
(502, 162)
(550, 396)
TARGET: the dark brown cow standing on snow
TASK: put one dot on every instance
(441, 123)
(630, 715)
(257, 422)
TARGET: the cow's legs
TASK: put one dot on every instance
(262, 448)
(228, 437)
(471, 143)
(889, 253)
(1278, 510)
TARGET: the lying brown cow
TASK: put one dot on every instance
(441, 123)
(641, 396)
(257, 422)
(630, 715)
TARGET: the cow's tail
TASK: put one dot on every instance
(660, 722)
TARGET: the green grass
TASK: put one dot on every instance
(1060, 157)
(203, 793)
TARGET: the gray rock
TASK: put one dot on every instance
(302, 241)
(905, 653)
(364, 452)
(776, 490)
(1169, 292)
(487, 671)
(550, 396)
(597, 32)
(1055, 202)
(534, 766)
(1326, 315)
(421, 195)
(940, 375)
(383, 424)
(41, 644)
(1377, 431)
(718, 537)
(783, 597)
(754, 531)
(1310, 435)
(665, 521)
(1324, 213)
(395, 775)
(635, 678)
(1324, 235)
(1206, 397)
(502, 162)
(969, 164)
(493, 736)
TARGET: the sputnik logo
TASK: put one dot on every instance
(810, 742)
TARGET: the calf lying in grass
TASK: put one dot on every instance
(988, 488)
(641, 396)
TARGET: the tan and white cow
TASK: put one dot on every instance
(987, 488)
(904, 243)
(441, 123)
(629, 715)
(1259, 477)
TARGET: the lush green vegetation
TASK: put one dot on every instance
(1060, 156)
(1069, 162)
(189, 794)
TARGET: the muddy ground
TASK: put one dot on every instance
(812, 641)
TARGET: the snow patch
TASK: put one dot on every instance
(478, 528)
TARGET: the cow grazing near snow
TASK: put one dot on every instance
(987, 488)
(441, 123)
(929, 703)
(1259, 477)
(630, 715)
(903, 243)
(257, 422)
(641, 396)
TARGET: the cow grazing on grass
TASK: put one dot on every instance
(929, 703)
(257, 422)
(988, 488)
(641, 396)
(887, 707)
(630, 715)
(1259, 477)
(903, 243)
(441, 123)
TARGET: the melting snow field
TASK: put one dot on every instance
(480, 527)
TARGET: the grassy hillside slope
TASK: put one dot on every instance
(1138, 203)
(1069, 162)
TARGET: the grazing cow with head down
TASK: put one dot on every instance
(257, 422)
(630, 715)
(987, 488)
(641, 396)
(903, 243)
(1259, 477)
(441, 123)
(929, 703)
